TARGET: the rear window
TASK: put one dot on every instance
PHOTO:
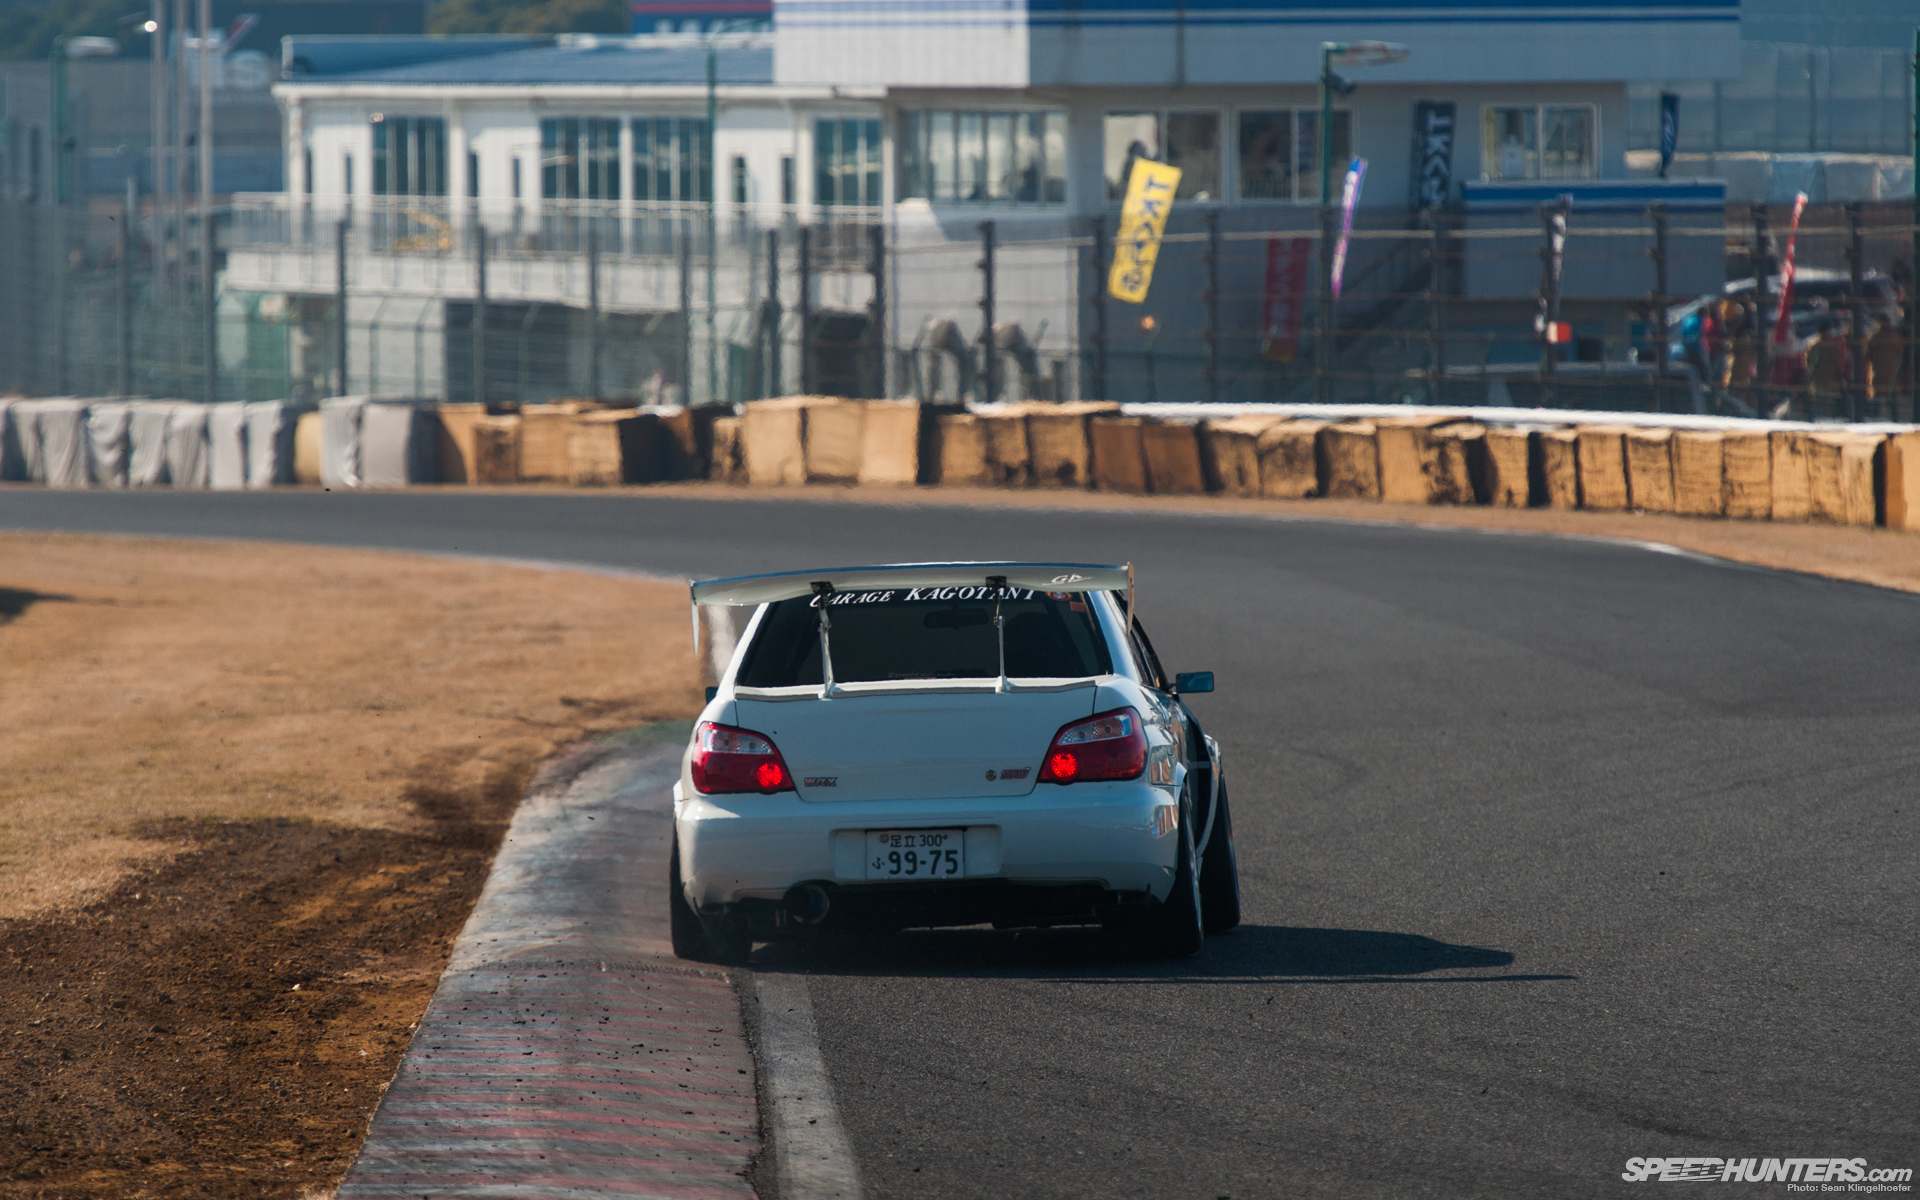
(927, 633)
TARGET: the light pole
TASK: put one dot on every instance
(1336, 54)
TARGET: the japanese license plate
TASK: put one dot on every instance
(916, 853)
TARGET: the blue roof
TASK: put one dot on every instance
(604, 61)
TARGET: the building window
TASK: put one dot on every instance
(473, 174)
(739, 179)
(1538, 142)
(846, 163)
(409, 156)
(1019, 157)
(580, 158)
(670, 160)
(516, 177)
(306, 170)
(1188, 140)
(1280, 153)
(786, 179)
(346, 174)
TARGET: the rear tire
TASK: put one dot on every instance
(1174, 929)
(1220, 873)
(717, 939)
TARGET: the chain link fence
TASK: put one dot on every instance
(682, 303)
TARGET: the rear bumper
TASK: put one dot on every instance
(1106, 838)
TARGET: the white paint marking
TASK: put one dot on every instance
(812, 1160)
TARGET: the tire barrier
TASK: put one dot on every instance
(1863, 475)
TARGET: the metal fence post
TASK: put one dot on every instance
(480, 249)
(1323, 287)
(1553, 228)
(877, 312)
(1099, 308)
(1436, 308)
(1657, 302)
(1857, 328)
(770, 315)
(989, 366)
(1212, 301)
(1762, 298)
(593, 311)
(340, 308)
(59, 252)
(209, 300)
(686, 317)
(123, 296)
(803, 308)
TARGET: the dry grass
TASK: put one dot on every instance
(147, 680)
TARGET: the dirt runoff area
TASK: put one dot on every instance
(248, 795)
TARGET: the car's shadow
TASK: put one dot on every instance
(1266, 953)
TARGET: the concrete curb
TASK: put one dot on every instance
(566, 1052)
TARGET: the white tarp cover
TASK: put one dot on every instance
(107, 447)
(227, 446)
(340, 441)
(26, 430)
(187, 446)
(63, 442)
(13, 464)
(397, 446)
(270, 429)
(1060, 577)
(147, 442)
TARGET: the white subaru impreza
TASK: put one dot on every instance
(945, 744)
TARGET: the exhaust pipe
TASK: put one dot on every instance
(807, 903)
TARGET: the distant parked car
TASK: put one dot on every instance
(948, 744)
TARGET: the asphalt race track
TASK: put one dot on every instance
(1555, 853)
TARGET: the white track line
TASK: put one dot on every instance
(812, 1160)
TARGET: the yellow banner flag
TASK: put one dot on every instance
(1143, 218)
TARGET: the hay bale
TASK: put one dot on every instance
(1510, 457)
(307, 438)
(1403, 445)
(545, 431)
(456, 441)
(612, 447)
(496, 449)
(1900, 497)
(725, 463)
(1560, 467)
(1173, 457)
(1349, 461)
(1696, 456)
(890, 442)
(773, 442)
(1603, 466)
(1840, 477)
(1792, 485)
(1453, 457)
(1290, 459)
(1746, 464)
(1230, 453)
(1009, 457)
(1650, 469)
(963, 451)
(833, 432)
(1060, 452)
(1119, 454)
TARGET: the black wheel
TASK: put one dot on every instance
(1173, 929)
(688, 936)
(1220, 873)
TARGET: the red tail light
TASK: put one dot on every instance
(1111, 745)
(728, 760)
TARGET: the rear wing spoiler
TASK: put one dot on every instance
(789, 585)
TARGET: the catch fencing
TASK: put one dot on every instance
(725, 304)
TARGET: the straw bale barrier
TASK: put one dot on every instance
(1697, 462)
(496, 449)
(1649, 454)
(1291, 462)
(1560, 467)
(1746, 475)
(725, 464)
(1792, 487)
(1008, 454)
(1119, 454)
(612, 447)
(962, 440)
(456, 441)
(1230, 453)
(1510, 457)
(1059, 450)
(1603, 466)
(545, 430)
(1349, 461)
(1173, 457)
(307, 439)
(1840, 477)
(773, 442)
(1453, 458)
(890, 443)
(832, 434)
(1403, 445)
(1902, 477)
